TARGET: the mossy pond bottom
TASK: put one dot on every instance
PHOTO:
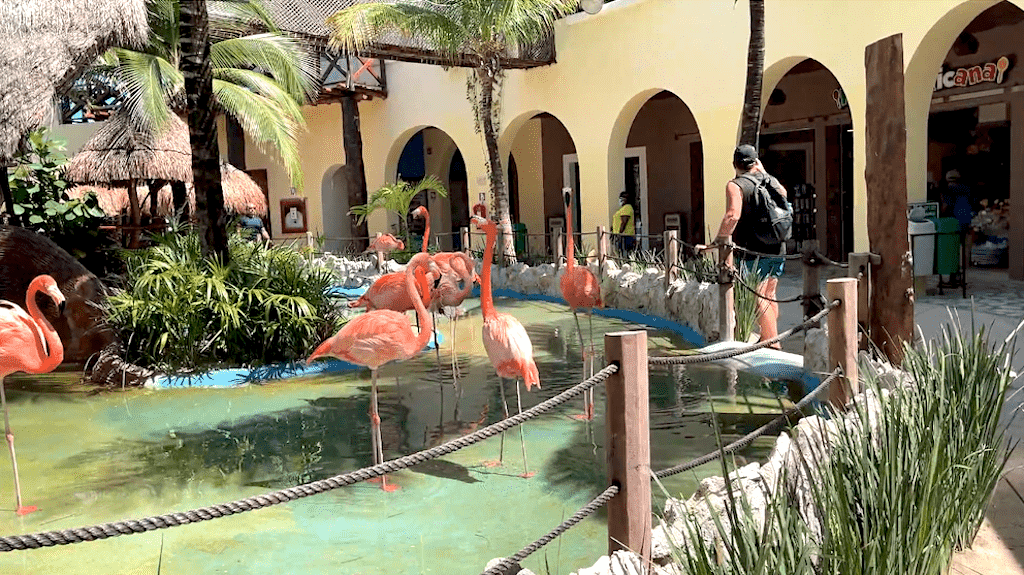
(93, 458)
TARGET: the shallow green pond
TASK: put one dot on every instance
(93, 458)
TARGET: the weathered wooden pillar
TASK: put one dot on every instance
(466, 247)
(602, 249)
(892, 318)
(627, 443)
(1016, 243)
(726, 304)
(812, 280)
(860, 269)
(671, 257)
(842, 340)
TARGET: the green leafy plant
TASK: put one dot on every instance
(182, 312)
(746, 303)
(398, 198)
(41, 202)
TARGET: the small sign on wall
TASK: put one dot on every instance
(293, 215)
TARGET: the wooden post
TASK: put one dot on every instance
(380, 257)
(602, 249)
(860, 268)
(842, 340)
(465, 242)
(671, 257)
(627, 443)
(726, 304)
(559, 249)
(812, 279)
(885, 173)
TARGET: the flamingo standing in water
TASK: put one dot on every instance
(581, 291)
(505, 339)
(377, 337)
(28, 343)
(454, 267)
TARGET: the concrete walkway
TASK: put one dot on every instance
(997, 303)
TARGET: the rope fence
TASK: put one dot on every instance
(131, 526)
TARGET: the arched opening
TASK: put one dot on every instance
(972, 146)
(431, 151)
(338, 225)
(807, 143)
(664, 171)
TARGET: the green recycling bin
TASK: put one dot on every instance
(519, 231)
(948, 246)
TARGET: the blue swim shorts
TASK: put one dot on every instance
(767, 267)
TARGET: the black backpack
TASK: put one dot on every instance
(774, 214)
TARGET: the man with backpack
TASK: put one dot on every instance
(759, 219)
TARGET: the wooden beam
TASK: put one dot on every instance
(842, 340)
(892, 318)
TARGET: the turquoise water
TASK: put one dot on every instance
(91, 458)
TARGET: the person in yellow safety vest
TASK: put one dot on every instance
(624, 224)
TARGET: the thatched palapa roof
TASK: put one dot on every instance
(45, 44)
(308, 18)
(118, 152)
(239, 191)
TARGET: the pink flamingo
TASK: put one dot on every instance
(389, 292)
(505, 339)
(454, 267)
(28, 343)
(386, 243)
(378, 337)
(581, 291)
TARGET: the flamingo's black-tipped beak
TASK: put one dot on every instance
(567, 198)
(61, 306)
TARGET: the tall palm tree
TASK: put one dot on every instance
(230, 59)
(481, 32)
(751, 122)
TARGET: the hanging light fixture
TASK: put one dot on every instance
(591, 6)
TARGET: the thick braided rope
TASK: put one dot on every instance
(726, 354)
(127, 527)
(761, 255)
(770, 427)
(532, 548)
(747, 287)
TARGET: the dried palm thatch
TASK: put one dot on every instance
(118, 152)
(240, 191)
(45, 44)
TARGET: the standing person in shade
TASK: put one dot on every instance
(252, 226)
(624, 224)
(957, 201)
(739, 221)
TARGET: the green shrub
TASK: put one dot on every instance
(746, 301)
(179, 311)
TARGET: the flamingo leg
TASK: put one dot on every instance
(588, 400)
(593, 357)
(22, 510)
(504, 403)
(522, 435)
(437, 348)
(455, 360)
(378, 447)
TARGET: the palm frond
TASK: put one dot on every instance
(265, 120)
(148, 82)
(281, 57)
(356, 27)
(231, 18)
(522, 23)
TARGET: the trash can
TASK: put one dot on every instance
(519, 231)
(947, 246)
(922, 240)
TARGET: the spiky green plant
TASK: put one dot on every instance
(180, 311)
(746, 302)
(398, 198)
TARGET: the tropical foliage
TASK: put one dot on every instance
(179, 311)
(42, 204)
(398, 198)
(259, 79)
(480, 32)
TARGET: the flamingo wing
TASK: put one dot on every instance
(374, 338)
(509, 348)
(22, 344)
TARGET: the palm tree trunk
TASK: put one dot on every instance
(135, 212)
(5, 187)
(355, 171)
(755, 75)
(487, 77)
(202, 128)
(179, 195)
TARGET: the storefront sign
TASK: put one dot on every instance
(961, 77)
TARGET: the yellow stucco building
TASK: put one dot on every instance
(647, 94)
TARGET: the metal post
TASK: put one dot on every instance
(559, 249)
(842, 339)
(812, 279)
(671, 257)
(627, 443)
(465, 242)
(602, 249)
(860, 268)
(726, 304)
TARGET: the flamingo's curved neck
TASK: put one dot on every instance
(570, 246)
(426, 231)
(47, 362)
(486, 299)
(426, 324)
